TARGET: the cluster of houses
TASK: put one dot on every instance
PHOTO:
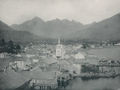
(3, 55)
(103, 68)
(48, 68)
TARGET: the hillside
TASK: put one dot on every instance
(108, 29)
(9, 33)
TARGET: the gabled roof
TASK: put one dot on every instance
(3, 63)
(11, 80)
(38, 75)
(49, 60)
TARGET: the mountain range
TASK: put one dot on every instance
(108, 29)
(49, 29)
(36, 28)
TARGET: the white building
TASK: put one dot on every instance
(118, 44)
(3, 55)
(77, 68)
(60, 51)
(79, 56)
(20, 64)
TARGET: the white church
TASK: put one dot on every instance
(60, 51)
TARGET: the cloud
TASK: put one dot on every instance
(85, 11)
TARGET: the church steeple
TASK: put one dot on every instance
(58, 40)
(60, 50)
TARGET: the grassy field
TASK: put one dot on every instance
(110, 52)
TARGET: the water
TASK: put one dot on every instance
(112, 52)
(98, 84)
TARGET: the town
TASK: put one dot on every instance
(53, 67)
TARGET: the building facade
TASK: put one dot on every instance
(60, 51)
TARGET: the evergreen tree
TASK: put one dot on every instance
(10, 48)
(2, 45)
(2, 42)
(18, 48)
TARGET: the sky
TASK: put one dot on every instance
(84, 11)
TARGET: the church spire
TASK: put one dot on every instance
(58, 40)
(59, 50)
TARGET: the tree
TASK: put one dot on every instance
(85, 45)
(10, 47)
(18, 48)
(2, 42)
(2, 45)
